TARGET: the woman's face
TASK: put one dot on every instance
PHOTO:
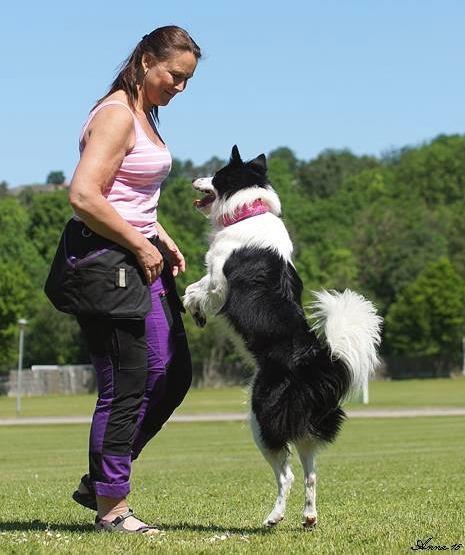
(164, 80)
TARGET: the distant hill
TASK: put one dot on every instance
(38, 188)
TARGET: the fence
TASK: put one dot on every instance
(46, 380)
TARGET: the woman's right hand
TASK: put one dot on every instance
(150, 260)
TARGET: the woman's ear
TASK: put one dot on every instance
(147, 61)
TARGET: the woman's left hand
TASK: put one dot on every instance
(174, 255)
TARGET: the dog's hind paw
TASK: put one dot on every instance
(309, 522)
(272, 521)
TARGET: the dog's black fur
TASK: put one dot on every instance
(298, 388)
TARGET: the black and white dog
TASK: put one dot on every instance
(304, 371)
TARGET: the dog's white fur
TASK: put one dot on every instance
(350, 326)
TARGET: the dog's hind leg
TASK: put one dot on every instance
(306, 449)
(279, 461)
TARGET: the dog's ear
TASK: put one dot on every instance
(235, 156)
(259, 164)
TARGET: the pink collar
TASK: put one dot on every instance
(246, 211)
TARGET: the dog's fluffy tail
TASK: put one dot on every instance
(351, 328)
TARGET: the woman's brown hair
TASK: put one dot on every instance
(161, 43)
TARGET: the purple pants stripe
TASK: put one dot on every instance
(104, 372)
(160, 348)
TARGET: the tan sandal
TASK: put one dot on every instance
(117, 525)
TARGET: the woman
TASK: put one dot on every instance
(143, 367)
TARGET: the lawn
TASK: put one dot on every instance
(384, 485)
(383, 394)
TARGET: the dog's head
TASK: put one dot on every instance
(237, 182)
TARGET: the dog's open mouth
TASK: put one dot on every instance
(207, 199)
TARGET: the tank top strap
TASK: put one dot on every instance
(102, 105)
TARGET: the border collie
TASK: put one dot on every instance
(304, 370)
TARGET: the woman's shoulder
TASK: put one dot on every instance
(111, 117)
(113, 104)
(113, 110)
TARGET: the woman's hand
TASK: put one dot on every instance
(174, 255)
(150, 260)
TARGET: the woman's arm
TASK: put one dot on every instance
(175, 257)
(109, 136)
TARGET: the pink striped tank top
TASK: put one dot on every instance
(135, 191)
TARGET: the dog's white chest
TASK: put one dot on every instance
(266, 231)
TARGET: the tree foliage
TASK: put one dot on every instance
(323, 176)
(428, 316)
(48, 212)
(56, 177)
(391, 228)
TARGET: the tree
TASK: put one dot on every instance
(372, 225)
(451, 224)
(394, 240)
(21, 276)
(428, 316)
(210, 167)
(48, 215)
(435, 170)
(14, 304)
(323, 176)
(286, 155)
(56, 177)
(15, 244)
(53, 338)
(3, 188)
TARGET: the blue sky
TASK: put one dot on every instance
(307, 74)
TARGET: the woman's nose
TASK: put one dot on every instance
(180, 86)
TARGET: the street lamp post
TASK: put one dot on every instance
(22, 324)
(463, 356)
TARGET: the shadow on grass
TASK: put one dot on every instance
(38, 526)
(212, 528)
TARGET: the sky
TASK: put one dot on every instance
(367, 75)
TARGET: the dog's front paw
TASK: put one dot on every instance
(189, 302)
(190, 289)
(192, 306)
(199, 319)
(192, 303)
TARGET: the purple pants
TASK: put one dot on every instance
(143, 373)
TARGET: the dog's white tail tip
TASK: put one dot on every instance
(351, 328)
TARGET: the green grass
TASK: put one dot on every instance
(383, 394)
(441, 392)
(383, 485)
(231, 399)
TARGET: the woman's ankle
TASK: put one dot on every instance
(110, 507)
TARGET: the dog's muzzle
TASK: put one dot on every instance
(204, 186)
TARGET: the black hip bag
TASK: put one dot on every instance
(93, 276)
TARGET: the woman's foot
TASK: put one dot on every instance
(85, 494)
(124, 521)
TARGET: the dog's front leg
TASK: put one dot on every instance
(207, 295)
(194, 300)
